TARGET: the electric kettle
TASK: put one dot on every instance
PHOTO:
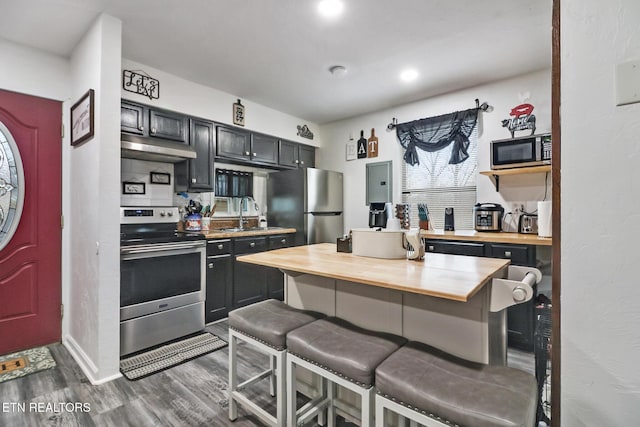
(415, 246)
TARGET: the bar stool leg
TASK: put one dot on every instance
(380, 416)
(331, 410)
(272, 378)
(233, 377)
(323, 392)
(279, 367)
(291, 393)
(367, 408)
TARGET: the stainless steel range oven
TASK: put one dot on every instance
(162, 278)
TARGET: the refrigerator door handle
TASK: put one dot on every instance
(324, 213)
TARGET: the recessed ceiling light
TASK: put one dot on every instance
(338, 70)
(330, 8)
(408, 75)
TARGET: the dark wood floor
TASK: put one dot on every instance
(191, 394)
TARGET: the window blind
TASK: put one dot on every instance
(440, 185)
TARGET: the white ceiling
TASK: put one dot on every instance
(277, 52)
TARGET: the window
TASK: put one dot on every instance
(439, 184)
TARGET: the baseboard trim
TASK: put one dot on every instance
(84, 361)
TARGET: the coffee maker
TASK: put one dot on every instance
(377, 215)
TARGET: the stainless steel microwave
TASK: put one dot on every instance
(534, 150)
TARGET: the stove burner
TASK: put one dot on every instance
(152, 225)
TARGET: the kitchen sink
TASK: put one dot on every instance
(237, 229)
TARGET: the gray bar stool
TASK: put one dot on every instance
(436, 389)
(341, 354)
(264, 326)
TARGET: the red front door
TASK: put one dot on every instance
(30, 271)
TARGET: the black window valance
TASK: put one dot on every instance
(435, 133)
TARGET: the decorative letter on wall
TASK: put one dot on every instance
(141, 83)
(11, 186)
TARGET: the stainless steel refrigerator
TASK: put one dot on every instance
(309, 200)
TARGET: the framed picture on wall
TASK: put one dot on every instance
(133, 188)
(82, 119)
(160, 178)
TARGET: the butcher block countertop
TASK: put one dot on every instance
(222, 234)
(485, 236)
(452, 277)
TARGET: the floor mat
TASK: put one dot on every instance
(167, 356)
(25, 362)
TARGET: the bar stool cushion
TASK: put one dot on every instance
(343, 348)
(269, 321)
(463, 392)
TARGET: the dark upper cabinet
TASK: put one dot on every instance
(289, 156)
(293, 155)
(132, 118)
(264, 148)
(147, 121)
(307, 155)
(196, 175)
(168, 125)
(233, 143)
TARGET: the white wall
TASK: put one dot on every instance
(94, 297)
(534, 88)
(600, 211)
(190, 98)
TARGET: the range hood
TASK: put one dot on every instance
(153, 149)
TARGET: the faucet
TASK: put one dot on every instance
(242, 220)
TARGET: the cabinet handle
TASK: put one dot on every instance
(302, 162)
(296, 162)
(193, 180)
(432, 248)
(507, 254)
(254, 154)
(153, 130)
(141, 127)
(220, 246)
(246, 153)
(283, 241)
(210, 265)
(252, 244)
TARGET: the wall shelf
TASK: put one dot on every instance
(496, 174)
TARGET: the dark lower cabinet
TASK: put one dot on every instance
(249, 280)
(219, 287)
(275, 278)
(249, 283)
(231, 283)
(520, 318)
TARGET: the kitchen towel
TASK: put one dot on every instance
(544, 219)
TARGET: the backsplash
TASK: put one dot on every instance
(138, 171)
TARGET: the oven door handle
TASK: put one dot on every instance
(141, 249)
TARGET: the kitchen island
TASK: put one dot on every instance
(443, 300)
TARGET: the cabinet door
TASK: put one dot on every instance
(219, 287)
(132, 118)
(168, 125)
(288, 154)
(264, 149)
(201, 168)
(307, 156)
(520, 318)
(249, 283)
(232, 143)
(275, 278)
